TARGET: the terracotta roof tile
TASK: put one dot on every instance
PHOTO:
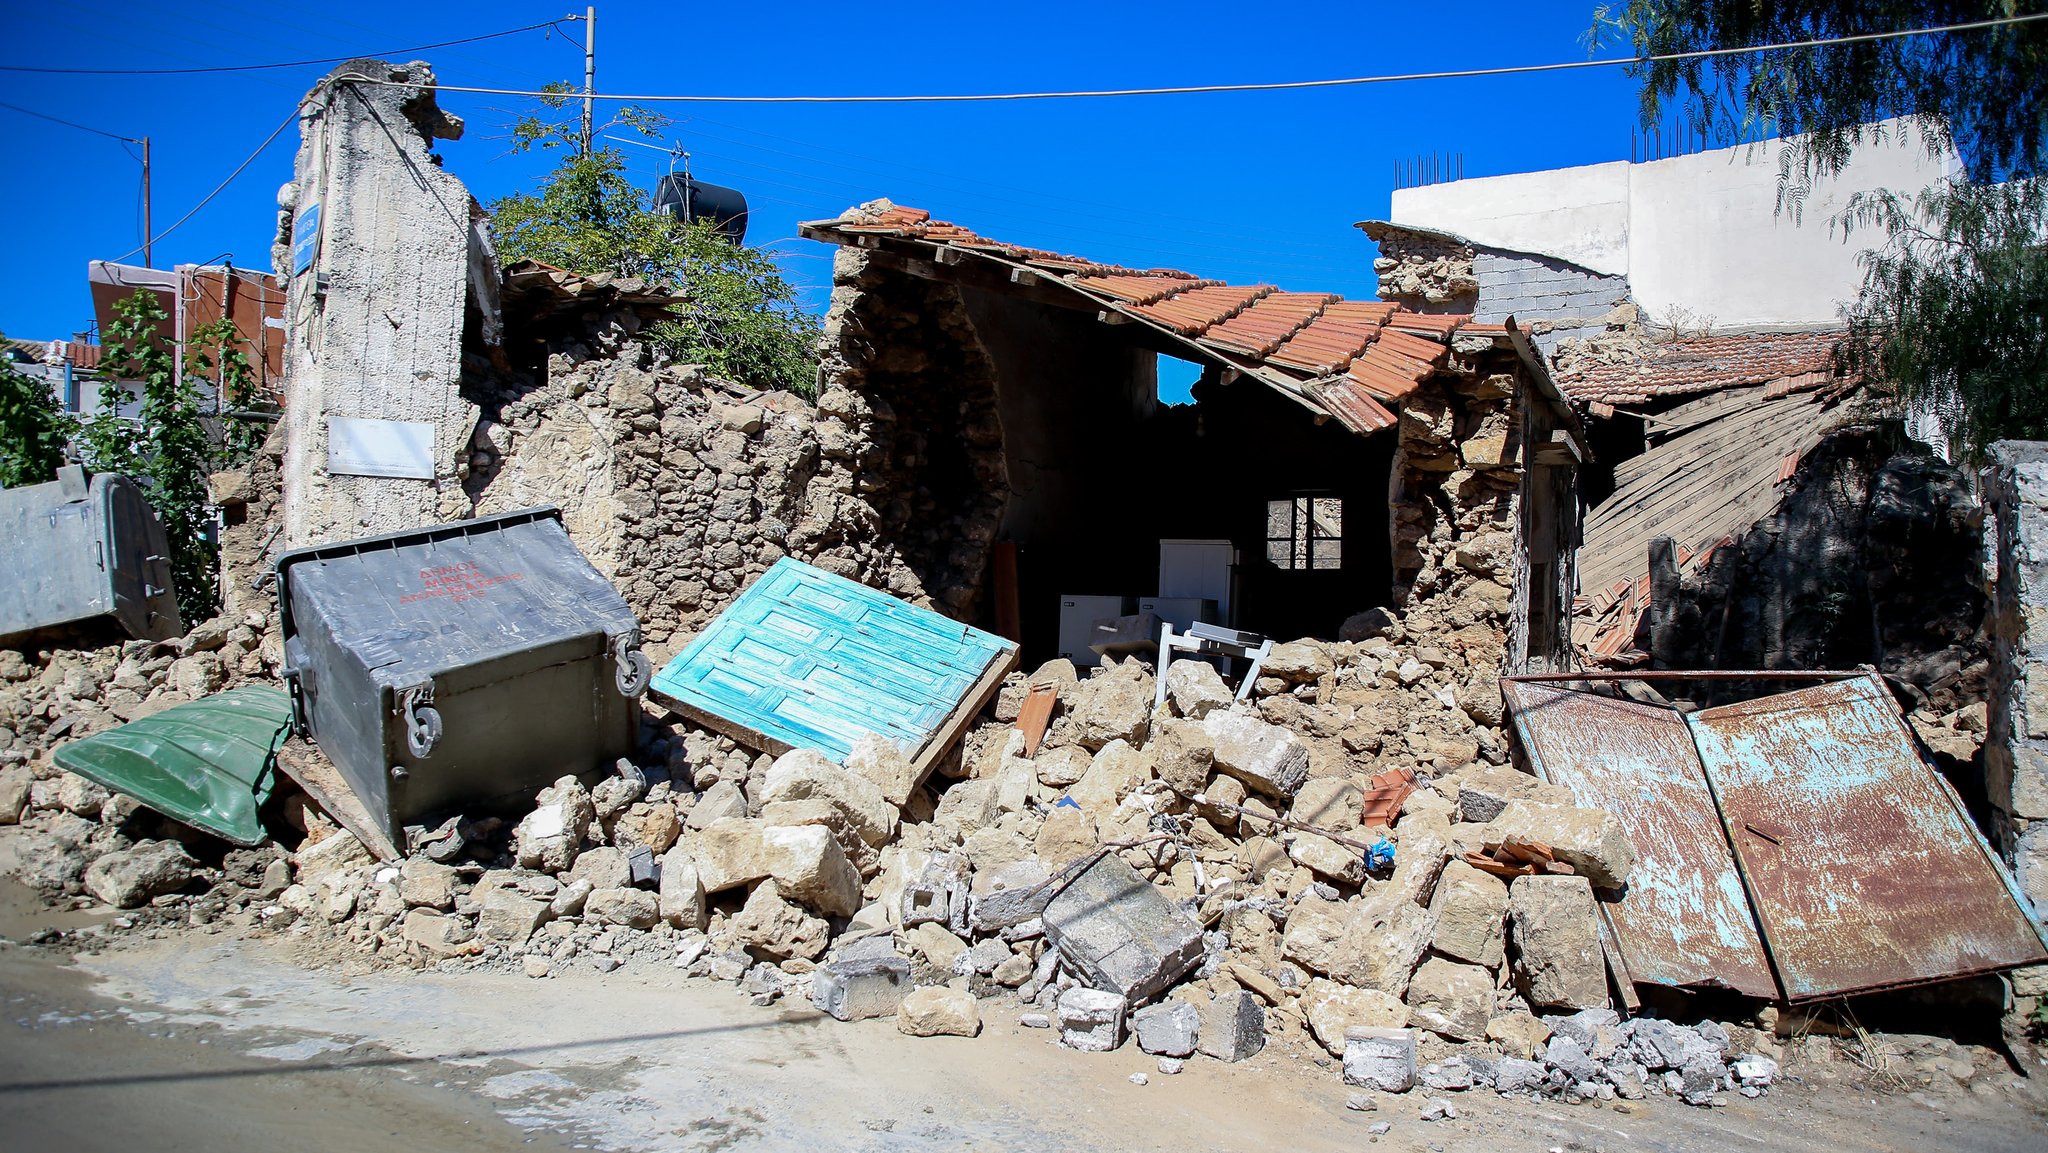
(1298, 341)
(1268, 323)
(1705, 364)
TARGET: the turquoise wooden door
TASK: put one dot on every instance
(811, 661)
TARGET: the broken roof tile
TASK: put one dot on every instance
(1706, 364)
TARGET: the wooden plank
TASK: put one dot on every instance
(303, 762)
(1009, 610)
(970, 705)
(1035, 716)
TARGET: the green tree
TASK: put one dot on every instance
(739, 316)
(1950, 314)
(34, 430)
(165, 446)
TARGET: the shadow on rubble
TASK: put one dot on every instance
(393, 1060)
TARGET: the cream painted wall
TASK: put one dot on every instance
(1700, 237)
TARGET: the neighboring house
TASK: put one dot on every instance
(68, 367)
(193, 296)
(1689, 312)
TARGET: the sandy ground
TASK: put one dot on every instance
(208, 1042)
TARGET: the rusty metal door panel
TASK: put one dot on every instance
(1863, 869)
(1684, 920)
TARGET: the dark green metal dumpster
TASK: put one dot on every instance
(211, 763)
(459, 664)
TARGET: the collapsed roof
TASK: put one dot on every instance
(1346, 359)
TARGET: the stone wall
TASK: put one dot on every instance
(1424, 271)
(1550, 299)
(680, 487)
(1871, 556)
(2016, 748)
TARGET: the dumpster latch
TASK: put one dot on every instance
(634, 670)
(422, 720)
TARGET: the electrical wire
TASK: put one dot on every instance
(67, 123)
(1271, 86)
(555, 24)
(218, 189)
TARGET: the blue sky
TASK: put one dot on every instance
(1258, 187)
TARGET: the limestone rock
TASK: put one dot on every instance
(1067, 835)
(1451, 1000)
(682, 891)
(803, 774)
(1116, 771)
(652, 824)
(1382, 1059)
(79, 796)
(722, 800)
(809, 868)
(1332, 1008)
(1589, 840)
(1557, 937)
(878, 760)
(937, 1011)
(1196, 688)
(1181, 754)
(633, 908)
(1367, 947)
(936, 944)
(427, 884)
(1520, 1035)
(1471, 910)
(437, 933)
(1299, 662)
(507, 917)
(1267, 758)
(772, 927)
(1113, 706)
(549, 837)
(1058, 768)
(15, 782)
(131, 878)
(604, 867)
(729, 853)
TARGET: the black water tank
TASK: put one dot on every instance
(692, 199)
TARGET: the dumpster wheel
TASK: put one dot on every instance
(635, 673)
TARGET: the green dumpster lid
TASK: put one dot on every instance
(210, 763)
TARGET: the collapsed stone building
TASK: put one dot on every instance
(986, 437)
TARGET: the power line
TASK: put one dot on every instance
(67, 123)
(1273, 86)
(283, 64)
(218, 189)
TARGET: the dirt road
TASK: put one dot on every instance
(197, 1042)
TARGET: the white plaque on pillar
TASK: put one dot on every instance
(397, 448)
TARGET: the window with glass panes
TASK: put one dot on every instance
(1305, 532)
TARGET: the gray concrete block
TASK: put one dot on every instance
(853, 990)
(1382, 1059)
(1168, 1029)
(1119, 932)
(1091, 1020)
(1233, 1027)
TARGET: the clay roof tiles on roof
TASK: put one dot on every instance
(1703, 364)
(1297, 341)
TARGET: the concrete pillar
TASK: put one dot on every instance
(2016, 749)
(381, 249)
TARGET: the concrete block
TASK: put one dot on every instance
(1233, 1027)
(1119, 932)
(1167, 1029)
(858, 988)
(1091, 1020)
(1382, 1059)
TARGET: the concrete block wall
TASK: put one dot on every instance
(2016, 747)
(1547, 297)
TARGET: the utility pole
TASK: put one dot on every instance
(148, 228)
(589, 69)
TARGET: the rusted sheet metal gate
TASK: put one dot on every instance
(1793, 845)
